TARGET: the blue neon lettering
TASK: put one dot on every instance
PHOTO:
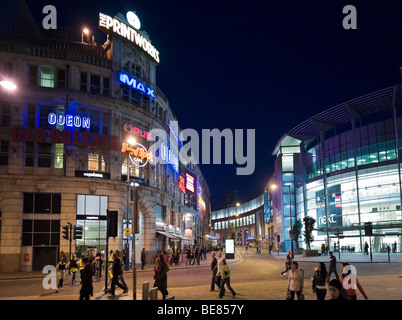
(69, 120)
(135, 84)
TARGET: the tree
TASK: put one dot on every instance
(296, 230)
(308, 231)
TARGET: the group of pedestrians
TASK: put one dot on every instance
(339, 288)
(220, 275)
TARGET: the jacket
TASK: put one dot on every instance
(225, 272)
(319, 280)
(295, 280)
(352, 292)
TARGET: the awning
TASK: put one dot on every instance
(183, 238)
(167, 235)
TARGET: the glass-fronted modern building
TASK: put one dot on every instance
(343, 168)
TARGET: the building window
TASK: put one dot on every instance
(29, 154)
(40, 232)
(95, 84)
(42, 203)
(4, 150)
(61, 79)
(83, 82)
(47, 76)
(106, 85)
(58, 155)
(44, 155)
(5, 115)
(33, 75)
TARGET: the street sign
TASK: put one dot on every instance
(127, 232)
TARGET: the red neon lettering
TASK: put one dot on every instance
(17, 133)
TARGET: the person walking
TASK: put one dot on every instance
(332, 266)
(336, 290)
(218, 276)
(142, 258)
(188, 255)
(97, 266)
(214, 268)
(192, 257)
(225, 274)
(61, 272)
(366, 247)
(247, 248)
(73, 267)
(156, 272)
(295, 283)
(163, 269)
(86, 280)
(348, 289)
(197, 255)
(319, 281)
(117, 271)
(288, 263)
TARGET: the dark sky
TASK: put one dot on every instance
(255, 64)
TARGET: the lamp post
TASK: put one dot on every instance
(230, 205)
(274, 186)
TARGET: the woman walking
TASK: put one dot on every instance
(214, 268)
(163, 268)
(116, 270)
(288, 263)
(225, 274)
(295, 284)
(61, 272)
(73, 267)
(350, 291)
(319, 280)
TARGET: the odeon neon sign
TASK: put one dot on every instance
(69, 120)
(135, 84)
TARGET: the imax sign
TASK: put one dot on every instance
(135, 84)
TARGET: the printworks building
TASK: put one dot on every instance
(65, 150)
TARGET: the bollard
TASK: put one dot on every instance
(153, 293)
(145, 290)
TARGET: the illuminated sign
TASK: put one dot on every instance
(138, 154)
(115, 25)
(135, 84)
(202, 204)
(189, 182)
(135, 130)
(92, 174)
(69, 120)
(169, 156)
(182, 186)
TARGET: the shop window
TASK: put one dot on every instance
(47, 76)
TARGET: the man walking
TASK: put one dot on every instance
(332, 266)
(142, 258)
(214, 268)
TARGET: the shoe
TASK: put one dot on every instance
(221, 297)
(212, 290)
(234, 294)
(125, 291)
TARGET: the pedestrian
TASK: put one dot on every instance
(225, 272)
(192, 257)
(86, 280)
(295, 283)
(142, 258)
(336, 290)
(163, 268)
(197, 255)
(288, 263)
(121, 276)
(270, 249)
(81, 265)
(350, 291)
(332, 266)
(214, 268)
(319, 281)
(97, 266)
(61, 272)
(73, 267)
(116, 271)
(218, 276)
(247, 248)
(156, 272)
(366, 247)
(205, 253)
(188, 256)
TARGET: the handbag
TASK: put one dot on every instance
(288, 295)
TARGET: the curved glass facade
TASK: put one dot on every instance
(346, 172)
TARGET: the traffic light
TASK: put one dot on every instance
(278, 238)
(368, 229)
(65, 232)
(112, 223)
(77, 233)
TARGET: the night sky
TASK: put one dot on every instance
(248, 64)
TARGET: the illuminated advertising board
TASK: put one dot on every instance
(189, 182)
(229, 248)
(137, 153)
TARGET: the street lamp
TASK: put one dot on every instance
(273, 187)
(7, 84)
(86, 32)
